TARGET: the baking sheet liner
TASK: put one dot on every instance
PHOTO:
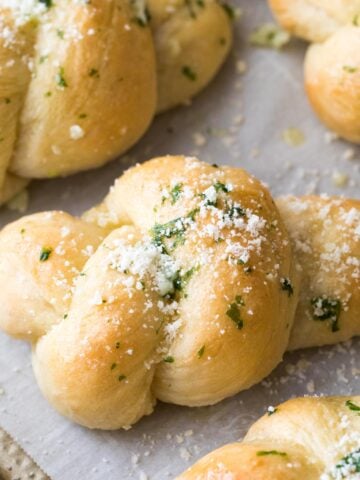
(239, 120)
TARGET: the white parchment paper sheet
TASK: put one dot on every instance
(270, 98)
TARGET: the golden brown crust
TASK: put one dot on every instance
(332, 66)
(83, 106)
(332, 81)
(46, 286)
(81, 80)
(13, 83)
(305, 438)
(108, 347)
(190, 297)
(185, 62)
(325, 235)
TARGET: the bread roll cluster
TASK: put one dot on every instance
(81, 81)
(304, 438)
(187, 285)
(332, 63)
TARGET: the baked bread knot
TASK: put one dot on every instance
(304, 438)
(81, 81)
(332, 64)
(182, 286)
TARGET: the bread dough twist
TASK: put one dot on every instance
(304, 438)
(332, 64)
(81, 81)
(183, 286)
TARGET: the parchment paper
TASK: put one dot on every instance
(238, 120)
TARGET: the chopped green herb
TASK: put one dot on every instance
(189, 73)
(47, 3)
(270, 36)
(174, 229)
(356, 20)
(221, 187)
(263, 453)
(191, 215)
(60, 78)
(94, 73)
(176, 286)
(191, 6)
(293, 136)
(327, 309)
(60, 34)
(143, 18)
(43, 58)
(181, 280)
(82, 115)
(234, 211)
(141, 13)
(350, 69)
(113, 366)
(45, 254)
(200, 353)
(287, 286)
(66, 316)
(121, 378)
(234, 313)
(347, 465)
(7, 100)
(229, 10)
(159, 327)
(169, 359)
(352, 406)
(239, 300)
(175, 193)
(47, 94)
